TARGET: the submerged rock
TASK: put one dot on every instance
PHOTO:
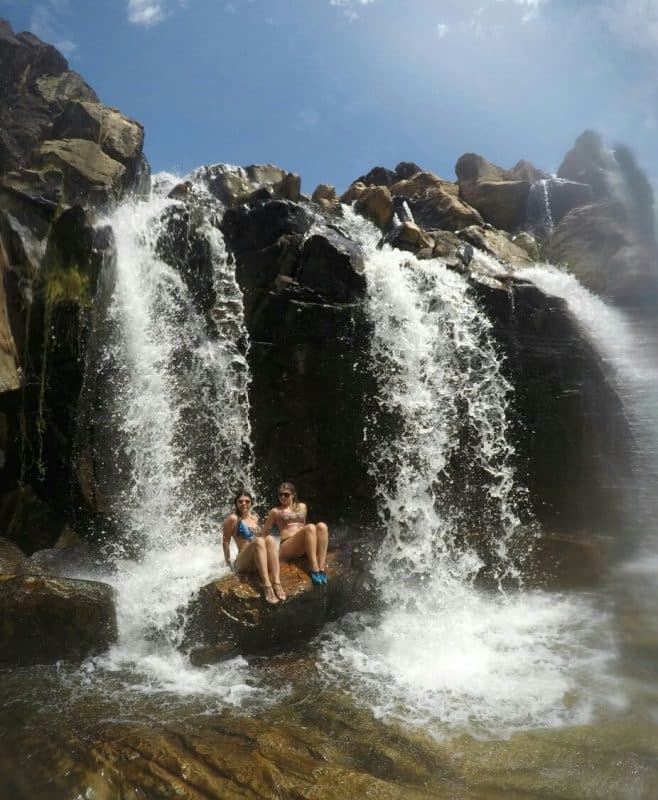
(230, 616)
(45, 619)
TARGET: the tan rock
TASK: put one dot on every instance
(410, 237)
(324, 192)
(10, 373)
(501, 203)
(527, 243)
(120, 137)
(353, 192)
(88, 171)
(376, 204)
(230, 615)
(496, 243)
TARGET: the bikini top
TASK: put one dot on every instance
(288, 517)
(244, 531)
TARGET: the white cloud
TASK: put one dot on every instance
(349, 7)
(442, 30)
(46, 24)
(145, 12)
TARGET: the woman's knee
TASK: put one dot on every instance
(259, 543)
(322, 528)
(311, 531)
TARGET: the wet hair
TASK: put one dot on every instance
(243, 493)
(290, 487)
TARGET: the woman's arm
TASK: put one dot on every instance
(269, 522)
(227, 532)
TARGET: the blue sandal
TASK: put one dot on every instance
(316, 578)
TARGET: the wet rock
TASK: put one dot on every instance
(528, 244)
(256, 227)
(12, 558)
(333, 266)
(564, 195)
(230, 615)
(235, 185)
(496, 243)
(573, 441)
(435, 203)
(45, 619)
(28, 521)
(599, 246)
(408, 236)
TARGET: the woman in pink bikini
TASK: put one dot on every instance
(298, 537)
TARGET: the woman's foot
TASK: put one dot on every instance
(316, 578)
(278, 591)
(270, 597)
(323, 574)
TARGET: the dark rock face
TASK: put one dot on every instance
(309, 343)
(44, 619)
(230, 616)
(572, 437)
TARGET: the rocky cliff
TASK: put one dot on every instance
(64, 156)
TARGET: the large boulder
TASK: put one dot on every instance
(496, 243)
(51, 120)
(45, 619)
(230, 615)
(597, 243)
(435, 203)
(235, 185)
(500, 195)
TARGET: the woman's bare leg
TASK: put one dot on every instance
(303, 542)
(255, 554)
(273, 566)
(323, 544)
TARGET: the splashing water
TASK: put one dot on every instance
(182, 420)
(445, 655)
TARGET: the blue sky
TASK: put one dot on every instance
(330, 88)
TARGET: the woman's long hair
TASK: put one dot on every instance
(290, 487)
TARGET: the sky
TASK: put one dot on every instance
(330, 88)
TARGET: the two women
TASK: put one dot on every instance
(257, 549)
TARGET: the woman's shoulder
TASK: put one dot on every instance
(232, 517)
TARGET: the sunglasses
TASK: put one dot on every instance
(243, 502)
(285, 494)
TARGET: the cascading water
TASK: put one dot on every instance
(181, 418)
(627, 349)
(445, 654)
(539, 217)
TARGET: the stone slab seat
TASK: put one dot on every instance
(230, 616)
(46, 619)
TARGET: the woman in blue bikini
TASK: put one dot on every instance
(257, 551)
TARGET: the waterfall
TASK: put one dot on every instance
(181, 430)
(539, 218)
(444, 654)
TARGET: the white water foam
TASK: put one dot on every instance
(182, 419)
(444, 655)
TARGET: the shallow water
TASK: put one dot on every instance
(538, 695)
